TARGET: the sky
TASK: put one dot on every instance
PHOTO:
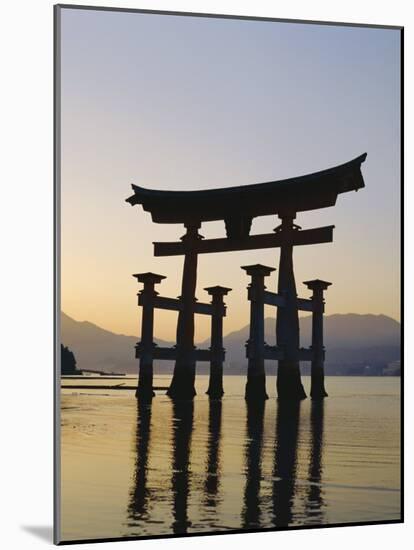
(185, 103)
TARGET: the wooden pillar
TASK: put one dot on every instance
(256, 376)
(182, 383)
(215, 387)
(317, 369)
(145, 348)
(289, 385)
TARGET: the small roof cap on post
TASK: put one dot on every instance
(258, 269)
(217, 290)
(317, 284)
(149, 277)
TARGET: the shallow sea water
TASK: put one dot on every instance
(129, 470)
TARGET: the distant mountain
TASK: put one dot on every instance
(351, 340)
(99, 349)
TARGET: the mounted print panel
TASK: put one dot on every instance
(228, 309)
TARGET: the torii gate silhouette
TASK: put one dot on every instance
(237, 206)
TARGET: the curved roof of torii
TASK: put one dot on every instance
(309, 192)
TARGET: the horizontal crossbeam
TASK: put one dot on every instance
(306, 354)
(175, 304)
(272, 299)
(273, 353)
(171, 304)
(170, 354)
(304, 304)
(267, 240)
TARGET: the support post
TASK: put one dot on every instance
(317, 369)
(215, 387)
(146, 299)
(256, 376)
(289, 384)
(182, 383)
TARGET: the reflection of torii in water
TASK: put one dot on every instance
(237, 206)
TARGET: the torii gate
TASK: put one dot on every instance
(237, 206)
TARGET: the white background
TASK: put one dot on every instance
(26, 290)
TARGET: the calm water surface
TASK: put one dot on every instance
(178, 468)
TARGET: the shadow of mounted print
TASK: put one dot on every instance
(219, 367)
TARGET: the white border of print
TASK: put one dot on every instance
(26, 317)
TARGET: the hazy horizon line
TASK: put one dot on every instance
(235, 330)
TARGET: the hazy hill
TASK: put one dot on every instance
(99, 349)
(341, 330)
(350, 340)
